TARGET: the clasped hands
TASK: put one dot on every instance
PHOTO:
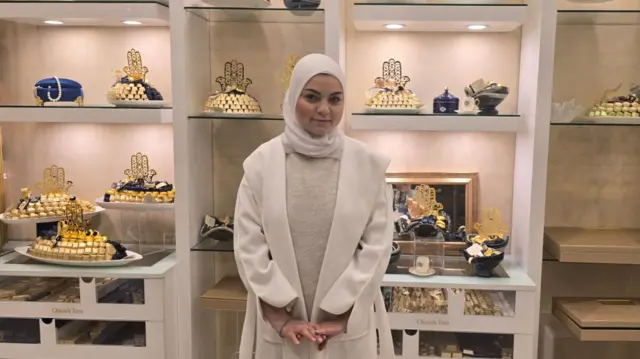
(296, 330)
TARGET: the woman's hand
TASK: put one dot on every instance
(295, 330)
(330, 329)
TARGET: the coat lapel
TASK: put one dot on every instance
(275, 218)
(349, 219)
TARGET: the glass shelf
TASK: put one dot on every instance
(92, 107)
(431, 115)
(161, 2)
(262, 15)
(599, 17)
(212, 245)
(217, 116)
(444, 3)
(601, 121)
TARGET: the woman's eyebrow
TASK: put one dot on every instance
(318, 92)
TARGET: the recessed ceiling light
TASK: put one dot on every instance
(132, 22)
(477, 27)
(394, 26)
(53, 22)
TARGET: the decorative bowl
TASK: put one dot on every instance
(498, 244)
(484, 266)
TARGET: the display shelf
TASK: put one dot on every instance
(516, 279)
(582, 245)
(137, 207)
(412, 344)
(48, 347)
(151, 266)
(432, 122)
(85, 114)
(442, 17)
(601, 121)
(222, 116)
(228, 294)
(86, 13)
(90, 307)
(599, 17)
(212, 245)
(252, 14)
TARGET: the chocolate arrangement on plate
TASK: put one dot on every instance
(390, 92)
(232, 97)
(52, 200)
(74, 241)
(611, 105)
(486, 96)
(485, 248)
(134, 85)
(139, 186)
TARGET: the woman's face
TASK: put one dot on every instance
(320, 105)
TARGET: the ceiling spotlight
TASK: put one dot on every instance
(53, 22)
(477, 27)
(394, 26)
(132, 22)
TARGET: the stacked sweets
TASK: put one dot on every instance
(133, 86)
(232, 97)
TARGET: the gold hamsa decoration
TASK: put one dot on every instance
(53, 181)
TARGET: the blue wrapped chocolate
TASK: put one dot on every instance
(445, 103)
(56, 89)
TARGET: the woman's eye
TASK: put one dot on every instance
(335, 100)
(311, 97)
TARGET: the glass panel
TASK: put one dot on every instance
(36, 289)
(491, 303)
(453, 266)
(455, 345)
(610, 121)
(598, 17)
(415, 300)
(122, 291)
(20, 331)
(101, 333)
(212, 245)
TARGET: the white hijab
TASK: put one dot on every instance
(295, 138)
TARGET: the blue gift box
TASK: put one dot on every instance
(445, 103)
(58, 90)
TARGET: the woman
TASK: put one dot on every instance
(313, 231)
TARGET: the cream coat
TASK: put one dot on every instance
(356, 257)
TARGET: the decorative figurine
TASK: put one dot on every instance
(292, 60)
(487, 96)
(217, 228)
(390, 93)
(56, 89)
(133, 86)
(423, 267)
(485, 247)
(445, 103)
(139, 186)
(232, 97)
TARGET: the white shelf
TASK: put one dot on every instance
(517, 280)
(438, 17)
(600, 121)
(94, 114)
(74, 13)
(157, 270)
(449, 123)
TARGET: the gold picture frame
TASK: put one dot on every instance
(470, 181)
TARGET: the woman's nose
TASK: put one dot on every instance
(323, 108)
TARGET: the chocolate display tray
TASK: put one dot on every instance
(592, 319)
(228, 294)
(580, 245)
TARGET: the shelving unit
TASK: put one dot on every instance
(210, 286)
(88, 114)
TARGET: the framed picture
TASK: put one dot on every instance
(457, 193)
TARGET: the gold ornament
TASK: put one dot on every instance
(74, 219)
(135, 71)
(292, 60)
(140, 169)
(233, 79)
(426, 198)
(53, 181)
(491, 226)
(392, 75)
